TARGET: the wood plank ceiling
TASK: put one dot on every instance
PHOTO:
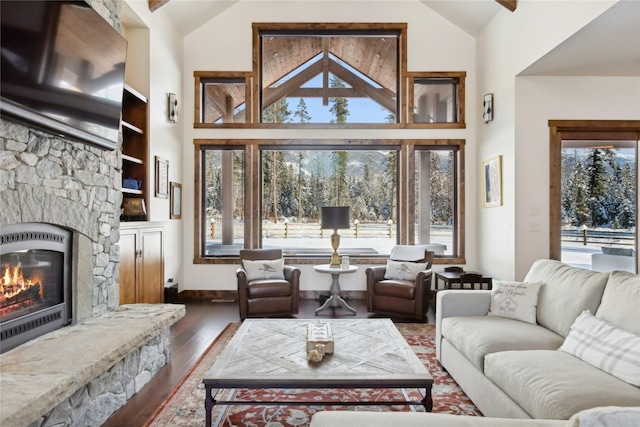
(374, 57)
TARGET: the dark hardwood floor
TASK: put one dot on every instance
(190, 337)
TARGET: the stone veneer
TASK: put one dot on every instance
(78, 375)
(44, 178)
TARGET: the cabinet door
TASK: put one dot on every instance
(151, 285)
(128, 260)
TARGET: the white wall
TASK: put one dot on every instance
(510, 43)
(156, 70)
(538, 100)
(224, 44)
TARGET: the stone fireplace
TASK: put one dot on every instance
(51, 186)
(60, 205)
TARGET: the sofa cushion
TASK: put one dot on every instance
(620, 304)
(606, 347)
(565, 293)
(554, 384)
(395, 288)
(515, 300)
(477, 336)
(269, 288)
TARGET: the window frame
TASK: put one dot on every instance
(560, 130)
(411, 79)
(253, 195)
(199, 76)
(405, 78)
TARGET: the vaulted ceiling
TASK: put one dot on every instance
(608, 46)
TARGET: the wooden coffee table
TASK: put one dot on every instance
(271, 353)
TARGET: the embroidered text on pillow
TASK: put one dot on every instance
(515, 300)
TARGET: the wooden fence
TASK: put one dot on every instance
(292, 230)
(588, 236)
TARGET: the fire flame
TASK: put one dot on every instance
(13, 282)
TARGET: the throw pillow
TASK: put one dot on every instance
(515, 300)
(606, 416)
(264, 269)
(605, 346)
(403, 270)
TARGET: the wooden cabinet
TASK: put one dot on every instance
(141, 264)
(135, 143)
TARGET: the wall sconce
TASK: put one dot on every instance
(488, 107)
(173, 108)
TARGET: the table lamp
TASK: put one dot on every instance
(334, 217)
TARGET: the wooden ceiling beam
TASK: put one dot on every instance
(156, 4)
(384, 97)
(269, 96)
(509, 4)
(325, 71)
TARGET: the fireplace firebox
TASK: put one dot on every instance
(35, 282)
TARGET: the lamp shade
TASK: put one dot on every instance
(334, 217)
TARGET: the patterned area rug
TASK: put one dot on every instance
(185, 407)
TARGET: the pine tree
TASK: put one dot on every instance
(598, 185)
(339, 106)
(577, 193)
(301, 112)
(278, 112)
(340, 160)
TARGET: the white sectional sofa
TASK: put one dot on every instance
(600, 417)
(513, 369)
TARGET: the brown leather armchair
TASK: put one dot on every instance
(267, 297)
(400, 298)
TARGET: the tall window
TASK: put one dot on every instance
(222, 201)
(594, 194)
(269, 193)
(436, 201)
(598, 202)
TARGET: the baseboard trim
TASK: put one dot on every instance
(230, 296)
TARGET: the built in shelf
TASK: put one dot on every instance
(131, 127)
(135, 152)
(135, 93)
(132, 159)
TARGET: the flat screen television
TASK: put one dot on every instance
(62, 69)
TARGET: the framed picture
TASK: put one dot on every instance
(162, 178)
(176, 201)
(492, 174)
(134, 206)
(488, 108)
